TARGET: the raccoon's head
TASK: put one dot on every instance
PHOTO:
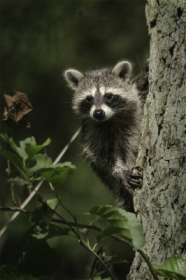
(102, 94)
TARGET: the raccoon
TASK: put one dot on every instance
(110, 107)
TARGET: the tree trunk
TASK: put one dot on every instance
(161, 203)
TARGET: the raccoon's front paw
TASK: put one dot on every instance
(135, 177)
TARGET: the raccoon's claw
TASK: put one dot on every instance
(135, 177)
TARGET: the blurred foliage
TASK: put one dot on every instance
(39, 40)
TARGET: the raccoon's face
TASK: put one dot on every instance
(99, 103)
(101, 94)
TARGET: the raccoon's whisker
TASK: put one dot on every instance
(66, 102)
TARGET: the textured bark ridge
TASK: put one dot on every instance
(161, 203)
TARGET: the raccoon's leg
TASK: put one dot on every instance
(125, 197)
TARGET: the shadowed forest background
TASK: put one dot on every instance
(39, 40)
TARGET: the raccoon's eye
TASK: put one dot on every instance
(109, 96)
(89, 99)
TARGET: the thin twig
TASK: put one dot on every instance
(40, 183)
(95, 262)
(67, 210)
(13, 194)
(74, 224)
(8, 171)
(67, 146)
(145, 257)
(14, 209)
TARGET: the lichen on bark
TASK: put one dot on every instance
(161, 203)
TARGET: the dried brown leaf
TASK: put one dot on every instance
(17, 107)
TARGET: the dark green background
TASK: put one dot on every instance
(39, 40)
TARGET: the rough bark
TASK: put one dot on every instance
(161, 203)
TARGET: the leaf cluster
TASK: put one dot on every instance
(33, 165)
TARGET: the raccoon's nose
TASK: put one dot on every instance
(99, 114)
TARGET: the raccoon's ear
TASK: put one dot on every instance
(123, 69)
(73, 77)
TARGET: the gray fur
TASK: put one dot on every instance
(111, 144)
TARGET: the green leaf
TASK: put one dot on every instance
(41, 161)
(22, 149)
(17, 181)
(10, 272)
(14, 159)
(9, 141)
(32, 149)
(40, 218)
(27, 148)
(56, 174)
(174, 268)
(123, 224)
(39, 259)
(53, 203)
(135, 227)
(55, 230)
